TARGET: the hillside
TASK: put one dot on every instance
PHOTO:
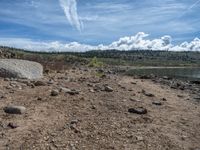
(109, 57)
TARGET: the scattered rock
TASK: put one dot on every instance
(121, 86)
(166, 78)
(6, 79)
(132, 82)
(139, 110)
(93, 107)
(39, 98)
(74, 128)
(157, 103)
(74, 121)
(101, 70)
(54, 93)
(70, 91)
(90, 85)
(197, 98)
(195, 82)
(135, 100)
(39, 83)
(108, 88)
(97, 88)
(12, 125)
(180, 96)
(50, 82)
(139, 138)
(164, 99)
(145, 77)
(15, 109)
(92, 90)
(63, 89)
(147, 94)
(73, 92)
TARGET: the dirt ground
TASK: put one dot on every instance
(96, 119)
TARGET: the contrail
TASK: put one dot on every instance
(194, 5)
(70, 10)
(188, 9)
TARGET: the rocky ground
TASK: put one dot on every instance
(82, 109)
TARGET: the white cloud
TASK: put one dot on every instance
(191, 46)
(136, 42)
(70, 9)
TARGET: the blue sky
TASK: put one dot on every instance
(100, 21)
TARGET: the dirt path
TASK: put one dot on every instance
(98, 119)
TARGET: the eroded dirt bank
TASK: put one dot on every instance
(79, 110)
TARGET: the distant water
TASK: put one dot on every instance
(181, 73)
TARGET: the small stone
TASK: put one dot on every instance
(39, 83)
(50, 82)
(74, 128)
(135, 100)
(166, 78)
(54, 93)
(197, 98)
(157, 103)
(133, 82)
(195, 82)
(70, 91)
(6, 79)
(139, 110)
(147, 94)
(12, 125)
(73, 92)
(74, 121)
(139, 138)
(164, 99)
(180, 96)
(39, 98)
(108, 89)
(14, 109)
(92, 90)
(93, 107)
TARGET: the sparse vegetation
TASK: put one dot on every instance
(59, 61)
(95, 63)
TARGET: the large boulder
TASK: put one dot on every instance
(15, 68)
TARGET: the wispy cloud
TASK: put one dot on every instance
(70, 9)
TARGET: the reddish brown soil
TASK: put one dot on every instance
(98, 120)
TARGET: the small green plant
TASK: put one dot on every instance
(100, 75)
(95, 63)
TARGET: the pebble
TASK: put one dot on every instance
(147, 94)
(108, 89)
(14, 109)
(70, 91)
(74, 121)
(39, 83)
(73, 92)
(135, 100)
(157, 103)
(54, 93)
(39, 98)
(133, 82)
(12, 125)
(139, 110)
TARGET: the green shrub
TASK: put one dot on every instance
(95, 63)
